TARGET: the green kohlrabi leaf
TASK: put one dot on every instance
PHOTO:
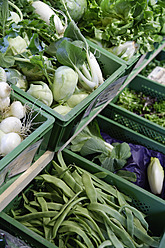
(52, 48)
(70, 54)
(34, 45)
(73, 32)
(6, 61)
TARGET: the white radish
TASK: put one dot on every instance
(95, 69)
(5, 90)
(11, 124)
(45, 12)
(8, 142)
(4, 103)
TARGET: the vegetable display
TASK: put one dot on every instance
(15, 118)
(112, 157)
(111, 24)
(145, 106)
(71, 207)
(45, 54)
(127, 160)
(151, 66)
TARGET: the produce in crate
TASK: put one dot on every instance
(144, 105)
(71, 207)
(36, 51)
(155, 174)
(127, 160)
(15, 121)
(113, 24)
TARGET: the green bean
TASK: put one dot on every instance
(119, 232)
(129, 215)
(79, 243)
(137, 213)
(67, 177)
(108, 199)
(64, 214)
(61, 160)
(146, 238)
(54, 205)
(36, 231)
(65, 206)
(34, 222)
(138, 224)
(75, 229)
(85, 226)
(89, 188)
(58, 183)
(115, 241)
(46, 220)
(77, 177)
(107, 209)
(105, 244)
(25, 198)
(29, 208)
(81, 211)
(30, 216)
(53, 196)
(130, 222)
(34, 203)
(115, 221)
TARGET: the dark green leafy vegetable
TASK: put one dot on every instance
(111, 157)
(112, 23)
(143, 105)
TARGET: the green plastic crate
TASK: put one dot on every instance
(111, 68)
(132, 120)
(144, 201)
(30, 148)
(16, 229)
(159, 58)
(132, 61)
(129, 63)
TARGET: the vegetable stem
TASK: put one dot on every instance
(15, 7)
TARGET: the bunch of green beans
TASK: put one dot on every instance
(71, 207)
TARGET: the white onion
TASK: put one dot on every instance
(17, 109)
(4, 103)
(8, 142)
(11, 124)
(5, 90)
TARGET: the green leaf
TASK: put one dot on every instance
(92, 146)
(72, 31)
(128, 175)
(70, 55)
(121, 151)
(108, 163)
(52, 48)
(6, 61)
(117, 158)
(34, 45)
